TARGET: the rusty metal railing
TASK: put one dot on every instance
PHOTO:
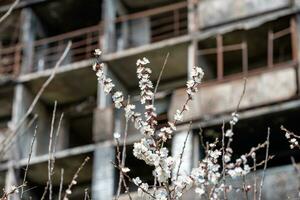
(47, 51)
(10, 59)
(165, 22)
(242, 47)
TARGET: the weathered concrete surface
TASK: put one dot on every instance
(265, 88)
(214, 12)
(103, 125)
(103, 173)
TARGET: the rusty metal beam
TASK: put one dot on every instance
(220, 59)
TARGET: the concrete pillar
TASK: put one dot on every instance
(11, 180)
(295, 26)
(22, 100)
(193, 24)
(123, 40)
(177, 146)
(103, 172)
(30, 28)
(109, 11)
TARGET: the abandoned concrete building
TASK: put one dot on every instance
(230, 39)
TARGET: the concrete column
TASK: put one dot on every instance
(192, 52)
(177, 146)
(109, 11)
(193, 24)
(22, 100)
(103, 172)
(295, 25)
(123, 40)
(30, 28)
(11, 180)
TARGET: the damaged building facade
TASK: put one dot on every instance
(230, 39)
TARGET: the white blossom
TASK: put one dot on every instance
(97, 52)
(178, 116)
(118, 99)
(117, 135)
(143, 61)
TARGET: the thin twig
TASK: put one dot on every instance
(265, 165)
(6, 144)
(86, 194)
(6, 195)
(121, 177)
(11, 8)
(75, 176)
(182, 151)
(50, 159)
(223, 160)
(45, 191)
(255, 178)
(160, 76)
(242, 95)
(61, 183)
(28, 161)
(130, 180)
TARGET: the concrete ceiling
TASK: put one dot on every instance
(67, 87)
(134, 5)
(60, 16)
(176, 67)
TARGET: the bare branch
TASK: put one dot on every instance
(159, 77)
(265, 165)
(50, 159)
(12, 7)
(29, 157)
(75, 176)
(61, 183)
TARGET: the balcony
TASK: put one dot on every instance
(159, 23)
(266, 56)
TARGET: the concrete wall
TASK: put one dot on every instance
(213, 12)
(265, 88)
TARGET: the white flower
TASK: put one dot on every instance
(108, 85)
(200, 191)
(287, 135)
(97, 52)
(142, 189)
(143, 61)
(117, 135)
(95, 66)
(197, 74)
(137, 181)
(229, 133)
(178, 116)
(125, 169)
(118, 99)
(68, 191)
(129, 110)
(235, 118)
(161, 194)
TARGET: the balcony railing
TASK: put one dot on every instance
(220, 50)
(165, 22)
(47, 51)
(10, 59)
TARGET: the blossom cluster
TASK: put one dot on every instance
(292, 138)
(192, 84)
(207, 177)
